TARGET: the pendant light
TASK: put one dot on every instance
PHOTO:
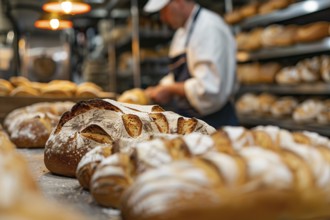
(66, 6)
(53, 21)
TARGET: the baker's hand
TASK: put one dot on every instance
(160, 94)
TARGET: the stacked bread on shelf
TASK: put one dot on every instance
(103, 122)
(30, 126)
(309, 70)
(22, 87)
(276, 35)
(254, 9)
(20, 197)
(305, 111)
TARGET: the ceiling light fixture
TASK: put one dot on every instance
(66, 6)
(53, 21)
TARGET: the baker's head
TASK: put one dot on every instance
(172, 12)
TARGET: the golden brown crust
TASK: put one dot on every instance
(24, 91)
(133, 124)
(312, 32)
(161, 122)
(5, 87)
(186, 126)
(97, 134)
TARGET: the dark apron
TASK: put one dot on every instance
(179, 67)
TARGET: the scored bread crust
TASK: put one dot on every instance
(103, 122)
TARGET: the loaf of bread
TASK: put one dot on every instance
(278, 36)
(288, 76)
(103, 122)
(5, 87)
(117, 172)
(89, 162)
(265, 100)
(30, 126)
(233, 17)
(248, 103)
(88, 90)
(312, 32)
(134, 96)
(308, 110)
(24, 91)
(283, 106)
(249, 41)
(274, 174)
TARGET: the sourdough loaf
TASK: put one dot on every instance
(103, 122)
(30, 126)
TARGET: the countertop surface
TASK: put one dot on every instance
(65, 190)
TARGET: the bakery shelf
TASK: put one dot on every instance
(148, 39)
(289, 124)
(293, 11)
(282, 52)
(301, 89)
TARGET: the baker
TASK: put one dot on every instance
(202, 77)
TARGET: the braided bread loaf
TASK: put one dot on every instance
(286, 175)
(30, 126)
(103, 122)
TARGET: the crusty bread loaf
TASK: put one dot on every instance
(116, 173)
(134, 96)
(308, 110)
(291, 180)
(102, 122)
(24, 91)
(278, 36)
(283, 106)
(312, 32)
(233, 17)
(30, 126)
(19, 81)
(88, 90)
(5, 87)
(89, 162)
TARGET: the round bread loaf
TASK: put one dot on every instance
(30, 126)
(102, 122)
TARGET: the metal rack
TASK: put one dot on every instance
(297, 10)
(301, 89)
(293, 11)
(281, 52)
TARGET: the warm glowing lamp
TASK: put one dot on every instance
(53, 22)
(66, 6)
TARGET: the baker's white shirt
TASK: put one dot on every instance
(211, 57)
